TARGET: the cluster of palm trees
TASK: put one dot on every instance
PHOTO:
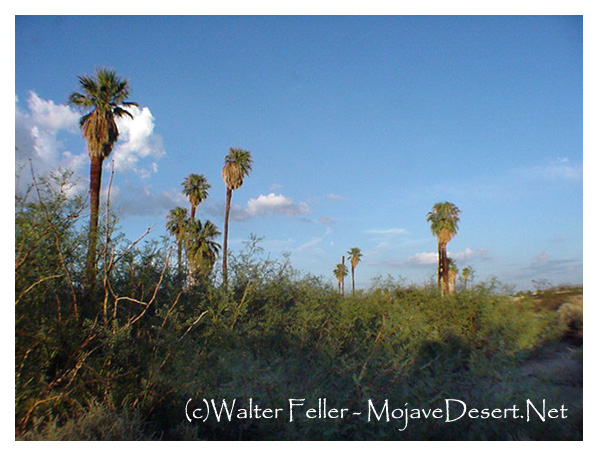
(340, 271)
(104, 96)
(197, 238)
(444, 219)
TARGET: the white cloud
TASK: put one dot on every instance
(468, 254)
(269, 204)
(137, 140)
(423, 258)
(336, 197)
(36, 136)
(43, 127)
(431, 258)
(38, 127)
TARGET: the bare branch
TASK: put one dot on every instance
(35, 284)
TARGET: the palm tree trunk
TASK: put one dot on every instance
(353, 284)
(179, 255)
(443, 273)
(443, 269)
(440, 250)
(226, 235)
(193, 212)
(343, 277)
(95, 184)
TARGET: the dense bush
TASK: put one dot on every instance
(121, 362)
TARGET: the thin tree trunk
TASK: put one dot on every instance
(226, 235)
(353, 285)
(95, 184)
(193, 212)
(343, 277)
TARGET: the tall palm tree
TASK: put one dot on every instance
(467, 274)
(238, 164)
(453, 274)
(354, 256)
(176, 221)
(444, 219)
(201, 248)
(340, 273)
(195, 188)
(105, 94)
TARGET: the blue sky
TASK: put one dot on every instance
(357, 126)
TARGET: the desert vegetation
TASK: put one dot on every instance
(114, 336)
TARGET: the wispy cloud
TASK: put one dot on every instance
(545, 265)
(336, 197)
(270, 204)
(326, 220)
(389, 231)
(145, 201)
(558, 169)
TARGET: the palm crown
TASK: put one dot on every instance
(355, 254)
(238, 164)
(105, 94)
(195, 188)
(176, 220)
(340, 272)
(444, 220)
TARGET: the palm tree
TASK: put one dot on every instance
(201, 248)
(105, 94)
(238, 164)
(444, 219)
(467, 273)
(453, 274)
(195, 188)
(340, 273)
(175, 224)
(354, 256)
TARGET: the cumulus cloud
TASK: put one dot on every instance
(37, 130)
(269, 204)
(43, 127)
(44, 131)
(137, 141)
(423, 258)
